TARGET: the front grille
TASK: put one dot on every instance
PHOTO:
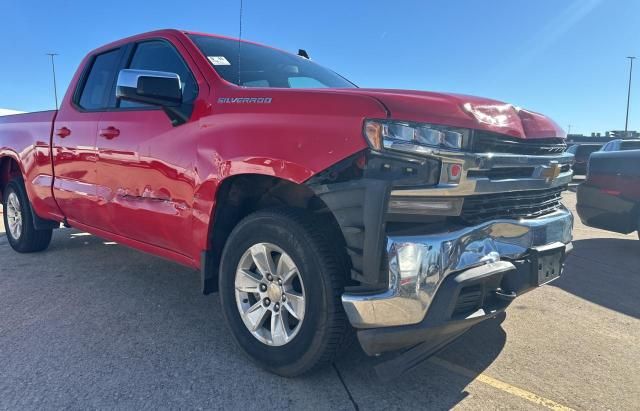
(516, 204)
(505, 173)
(494, 143)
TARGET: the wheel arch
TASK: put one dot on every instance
(9, 168)
(239, 195)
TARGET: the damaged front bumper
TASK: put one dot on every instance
(432, 256)
(442, 284)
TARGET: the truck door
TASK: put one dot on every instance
(74, 140)
(146, 163)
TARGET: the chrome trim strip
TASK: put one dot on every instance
(487, 161)
(484, 186)
(130, 77)
(419, 263)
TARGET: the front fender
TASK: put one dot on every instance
(299, 134)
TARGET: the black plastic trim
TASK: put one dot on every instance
(42, 224)
(359, 207)
(359, 204)
(441, 319)
(441, 326)
(208, 273)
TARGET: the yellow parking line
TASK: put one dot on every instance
(503, 386)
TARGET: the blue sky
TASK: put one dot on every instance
(565, 58)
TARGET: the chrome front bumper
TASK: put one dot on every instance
(418, 264)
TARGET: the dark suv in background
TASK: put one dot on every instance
(582, 153)
(609, 198)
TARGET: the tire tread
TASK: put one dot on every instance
(338, 330)
(31, 240)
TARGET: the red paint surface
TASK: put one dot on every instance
(153, 186)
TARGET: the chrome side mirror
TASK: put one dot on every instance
(158, 88)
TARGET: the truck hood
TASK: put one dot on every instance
(463, 111)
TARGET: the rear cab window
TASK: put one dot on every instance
(99, 81)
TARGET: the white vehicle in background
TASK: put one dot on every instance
(622, 145)
(7, 112)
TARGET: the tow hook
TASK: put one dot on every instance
(505, 296)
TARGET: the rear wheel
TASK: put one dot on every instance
(280, 288)
(18, 221)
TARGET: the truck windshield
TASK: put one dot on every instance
(260, 66)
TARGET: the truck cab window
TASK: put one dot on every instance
(161, 56)
(99, 82)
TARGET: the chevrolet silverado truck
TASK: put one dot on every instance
(318, 210)
(609, 198)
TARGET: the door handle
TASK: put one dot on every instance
(63, 132)
(109, 132)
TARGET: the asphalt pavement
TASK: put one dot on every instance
(91, 324)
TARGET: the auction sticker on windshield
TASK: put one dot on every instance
(219, 60)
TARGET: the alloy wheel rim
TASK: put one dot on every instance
(14, 216)
(270, 294)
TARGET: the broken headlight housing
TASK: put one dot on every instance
(415, 137)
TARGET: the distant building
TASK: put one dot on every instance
(7, 112)
(622, 134)
(600, 138)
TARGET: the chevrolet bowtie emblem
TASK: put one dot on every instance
(551, 172)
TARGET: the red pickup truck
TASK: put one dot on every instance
(314, 207)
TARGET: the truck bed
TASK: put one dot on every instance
(32, 117)
(26, 139)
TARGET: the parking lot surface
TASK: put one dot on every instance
(91, 324)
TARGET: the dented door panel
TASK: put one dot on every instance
(146, 179)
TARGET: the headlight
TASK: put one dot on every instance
(499, 115)
(418, 137)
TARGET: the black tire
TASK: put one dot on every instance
(325, 327)
(30, 239)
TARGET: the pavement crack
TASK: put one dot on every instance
(344, 384)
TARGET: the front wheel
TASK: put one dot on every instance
(280, 288)
(18, 221)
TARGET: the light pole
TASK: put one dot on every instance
(626, 121)
(55, 87)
